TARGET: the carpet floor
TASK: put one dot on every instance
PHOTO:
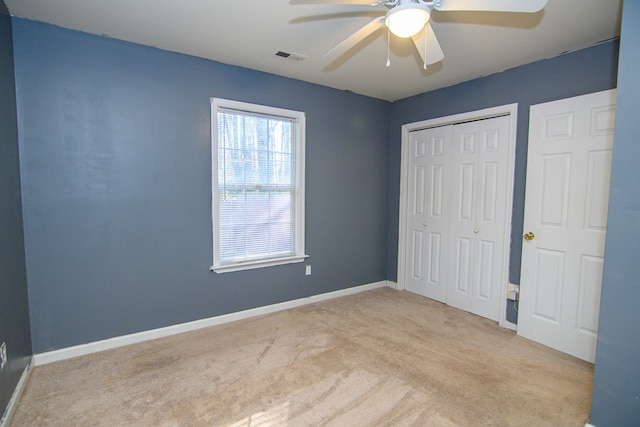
(381, 357)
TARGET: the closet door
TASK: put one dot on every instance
(428, 212)
(478, 221)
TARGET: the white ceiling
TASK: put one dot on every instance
(248, 33)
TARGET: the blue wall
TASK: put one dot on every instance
(114, 141)
(14, 308)
(115, 163)
(616, 388)
(585, 71)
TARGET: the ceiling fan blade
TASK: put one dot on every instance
(529, 6)
(362, 2)
(428, 46)
(355, 38)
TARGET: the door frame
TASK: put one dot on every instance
(510, 110)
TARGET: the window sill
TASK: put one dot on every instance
(248, 265)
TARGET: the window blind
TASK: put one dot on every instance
(256, 186)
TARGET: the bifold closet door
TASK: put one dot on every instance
(478, 218)
(456, 214)
(427, 212)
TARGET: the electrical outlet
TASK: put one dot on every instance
(3, 355)
(512, 291)
(307, 270)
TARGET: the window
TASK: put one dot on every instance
(257, 185)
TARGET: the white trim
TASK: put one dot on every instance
(96, 346)
(299, 118)
(508, 325)
(512, 111)
(589, 425)
(393, 285)
(258, 264)
(17, 393)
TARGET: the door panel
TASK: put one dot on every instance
(597, 190)
(418, 192)
(428, 212)
(568, 170)
(435, 249)
(489, 201)
(589, 294)
(549, 273)
(465, 190)
(436, 191)
(417, 253)
(463, 266)
(555, 189)
(486, 276)
(480, 156)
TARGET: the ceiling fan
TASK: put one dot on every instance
(410, 18)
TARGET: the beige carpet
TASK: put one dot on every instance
(377, 358)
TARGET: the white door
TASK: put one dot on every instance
(427, 212)
(568, 169)
(457, 220)
(478, 221)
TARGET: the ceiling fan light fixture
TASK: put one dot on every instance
(407, 20)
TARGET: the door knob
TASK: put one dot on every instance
(529, 236)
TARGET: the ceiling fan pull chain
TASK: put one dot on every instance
(388, 47)
(425, 47)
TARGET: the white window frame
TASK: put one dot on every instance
(299, 120)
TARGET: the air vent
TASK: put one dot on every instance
(295, 57)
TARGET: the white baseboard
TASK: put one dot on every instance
(589, 425)
(506, 324)
(393, 285)
(15, 397)
(96, 346)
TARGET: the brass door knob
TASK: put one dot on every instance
(529, 236)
